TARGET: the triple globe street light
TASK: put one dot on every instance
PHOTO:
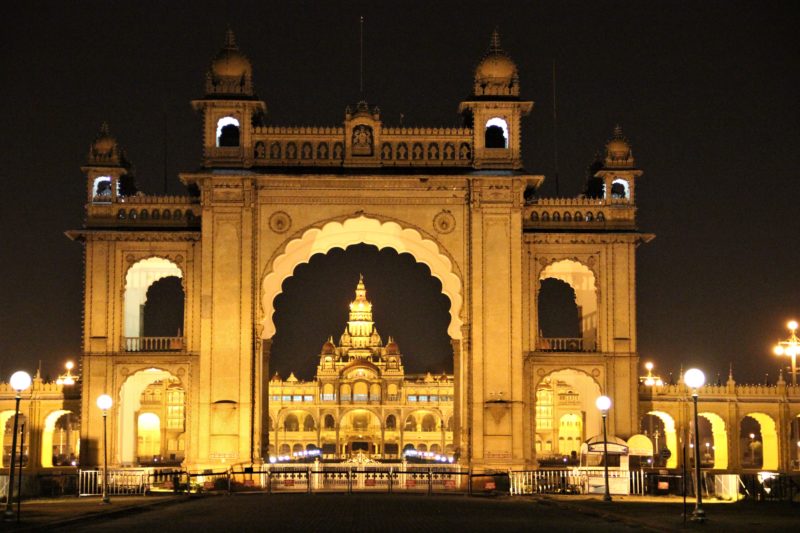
(790, 348)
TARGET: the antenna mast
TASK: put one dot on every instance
(555, 127)
(361, 60)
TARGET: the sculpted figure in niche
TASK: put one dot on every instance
(464, 152)
(275, 151)
(291, 151)
(402, 151)
(433, 151)
(449, 151)
(261, 151)
(417, 153)
(306, 151)
(362, 140)
(337, 151)
(386, 152)
(322, 151)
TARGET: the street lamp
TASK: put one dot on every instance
(68, 378)
(790, 348)
(20, 381)
(603, 403)
(104, 402)
(694, 378)
(651, 380)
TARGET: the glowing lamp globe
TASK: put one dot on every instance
(603, 403)
(792, 325)
(694, 378)
(104, 402)
(648, 366)
(778, 350)
(20, 381)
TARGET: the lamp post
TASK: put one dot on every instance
(790, 348)
(695, 379)
(20, 381)
(603, 403)
(67, 378)
(650, 379)
(104, 402)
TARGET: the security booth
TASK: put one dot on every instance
(593, 454)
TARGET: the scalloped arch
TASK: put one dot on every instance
(359, 230)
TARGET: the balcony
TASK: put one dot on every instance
(564, 344)
(154, 344)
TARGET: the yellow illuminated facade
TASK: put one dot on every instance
(361, 400)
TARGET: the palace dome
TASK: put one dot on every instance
(618, 150)
(104, 142)
(328, 348)
(230, 62)
(392, 348)
(496, 66)
(496, 74)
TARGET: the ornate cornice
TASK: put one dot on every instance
(134, 236)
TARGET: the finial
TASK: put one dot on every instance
(494, 46)
(730, 373)
(618, 132)
(230, 39)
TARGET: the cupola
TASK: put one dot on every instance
(496, 74)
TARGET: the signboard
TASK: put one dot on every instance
(613, 448)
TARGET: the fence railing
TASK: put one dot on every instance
(122, 481)
(577, 481)
(154, 344)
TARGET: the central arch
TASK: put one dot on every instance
(366, 230)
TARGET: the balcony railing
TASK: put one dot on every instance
(154, 344)
(564, 344)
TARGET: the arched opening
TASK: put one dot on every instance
(291, 424)
(660, 428)
(713, 441)
(758, 442)
(411, 423)
(329, 422)
(565, 414)
(101, 189)
(620, 189)
(227, 132)
(391, 422)
(167, 307)
(61, 439)
(558, 308)
(496, 133)
(7, 421)
(154, 393)
(308, 424)
(429, 423)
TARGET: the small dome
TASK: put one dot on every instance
(230, 62)
(618, 150)
(328, 348)
(104, 142)
(496, 74)
(392, 348)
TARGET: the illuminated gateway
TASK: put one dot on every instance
(361, 399)
(192, 387)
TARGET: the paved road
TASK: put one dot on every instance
(340, 512)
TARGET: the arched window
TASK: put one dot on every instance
(154, 305)
(620, 189)
(329, 422)
(308, 423)
(227, 132)
(411, 424)
(496, 134)
(101, 189)
(391, 422)
(291, 423)
(428, 423)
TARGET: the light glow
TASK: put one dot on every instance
(694, 378)
(603, 403)
(20, 381)
(104, 402)
(792, 325)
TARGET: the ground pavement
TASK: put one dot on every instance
(400, 512)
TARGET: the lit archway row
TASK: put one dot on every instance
(47, 436)
(357, 231)
(769, 440)
(720, 438)
(670, 436)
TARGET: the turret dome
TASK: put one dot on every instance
(496, 74)
(230, 62)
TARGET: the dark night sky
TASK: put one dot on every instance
(707, 93)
